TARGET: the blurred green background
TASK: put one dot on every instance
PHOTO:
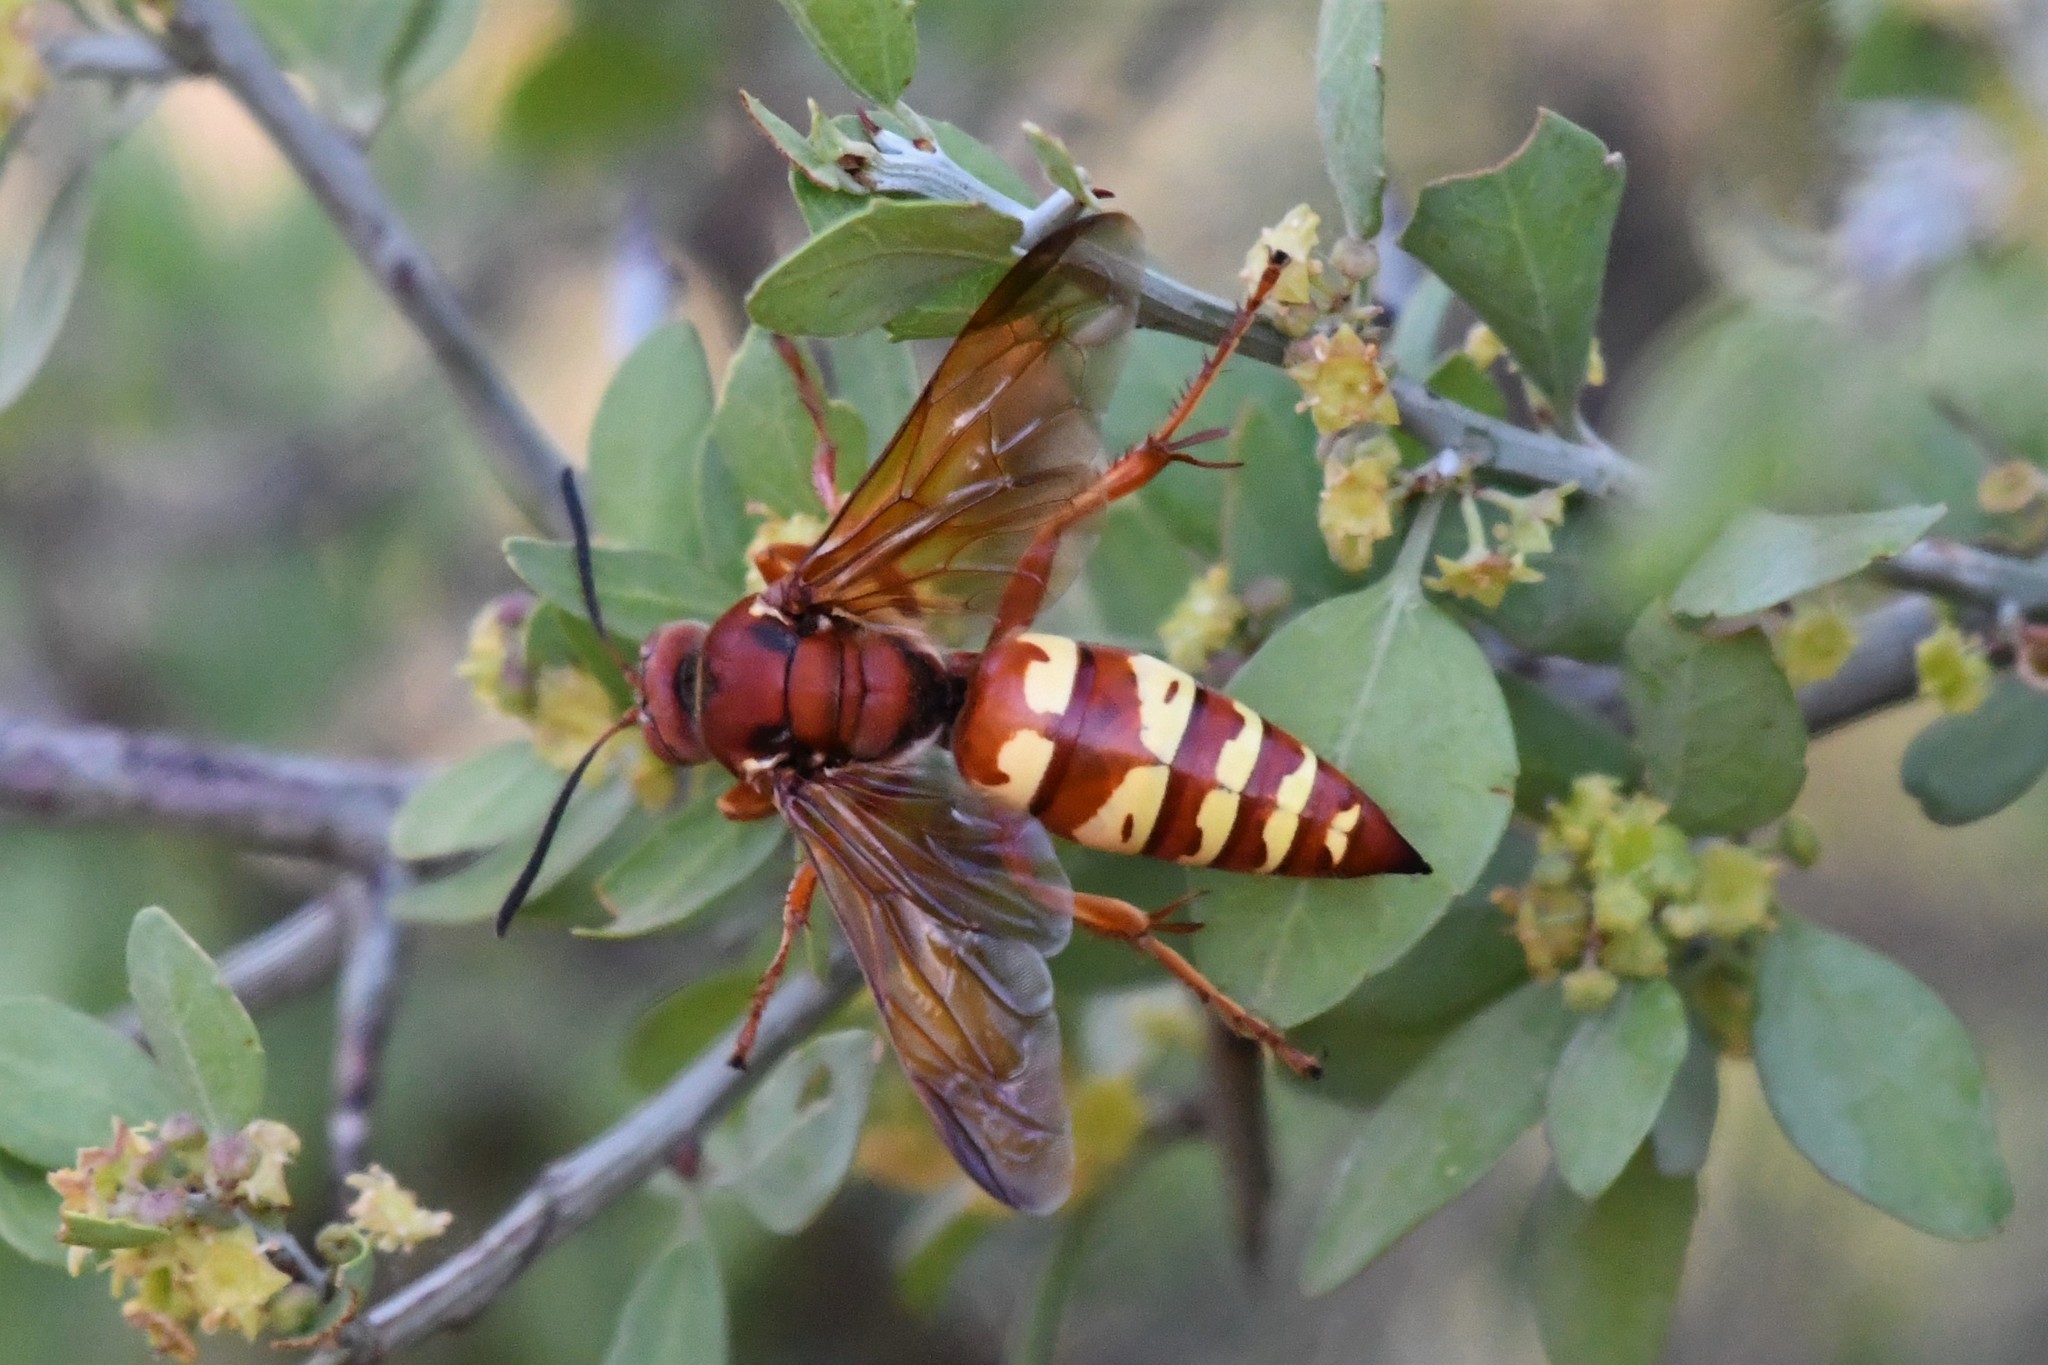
(239, 503)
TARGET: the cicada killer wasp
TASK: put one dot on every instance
(922, 781)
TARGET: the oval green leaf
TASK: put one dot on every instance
(475, 892)
(639, 591)
(1964, 768)
(869, 44)
(1720, 732)
(64, 1078)
(676, 1312)
(1525, 244)
(1603, 1277)
(789, 1150)
(1685, 1126)
(764, 436)
(1763, 558)
(203, 1039)
(1611, 1084)
(1394, 693)
(877, 263)
(1441, 1129)
(1877, 1083)
(48, 279)
(693, 858)
(648, 447)
(478, 803)
(29, 1218)
(1351, 99)
(681, 1025)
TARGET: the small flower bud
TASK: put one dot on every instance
(1815, 643)
(1954, 674)
(1639, 953)
(2011, 487)
(293, 1310)
(1588, 990)
(1798, 840)
(1355, 258)
(1355, 512)
(230, 1159)
(494, 665)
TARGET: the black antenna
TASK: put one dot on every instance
(517, 896)
(584, 573)
(587, 578)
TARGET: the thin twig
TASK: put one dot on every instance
(324, 808)
(211, 37)
(1963, 573)
(365, 997)
(575, 1189)
(284, 961)
(108, 56)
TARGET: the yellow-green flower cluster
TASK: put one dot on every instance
(1356, 510)
(1342, 382)
(1617, 887)
(1493, 564)
(188, 1226)
(1203, 621)
(565, 707)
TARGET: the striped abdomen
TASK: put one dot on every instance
(1124, 753)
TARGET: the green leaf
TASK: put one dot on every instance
(877, 263)
(1685, 1126)
(1905, 56)
(29, 1211)
(1269, 512)
(1412, 349)
(1763, 558)
(202, 1037)
(647, 447)
(790, 1148)
(1964, 768)
(477, 803)
(1351, 101)
(1611, 1082)
(1469, 958)
(476, 892)
(1439, 1131)
(870, 44)
(639, 591)
(1525, 244)
(353, 1278)
(1877, 1083)
(557, 637)
(1720, 732)
(878, 377)
(1603, 1277)
(49, 277)
(109, 1234)
(692, 859)
(763, 434)
(814, 157)
(1394, 693)
(676, 1312)
(682, 1024)
(1558, 743)
(1461, 381)
(1057, 161)
(65, 1077)
(432, 35)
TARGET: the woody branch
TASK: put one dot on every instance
(213, 38)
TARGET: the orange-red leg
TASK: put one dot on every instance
(825, 457)
(1139, 465)
(1117, 919)
(796, 913)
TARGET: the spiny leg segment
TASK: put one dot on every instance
(796, 913)
(1121, 920)
(1137, 467)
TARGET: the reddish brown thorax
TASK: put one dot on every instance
(810, 691)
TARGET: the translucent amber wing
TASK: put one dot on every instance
(1006, 433)
(951, 906)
